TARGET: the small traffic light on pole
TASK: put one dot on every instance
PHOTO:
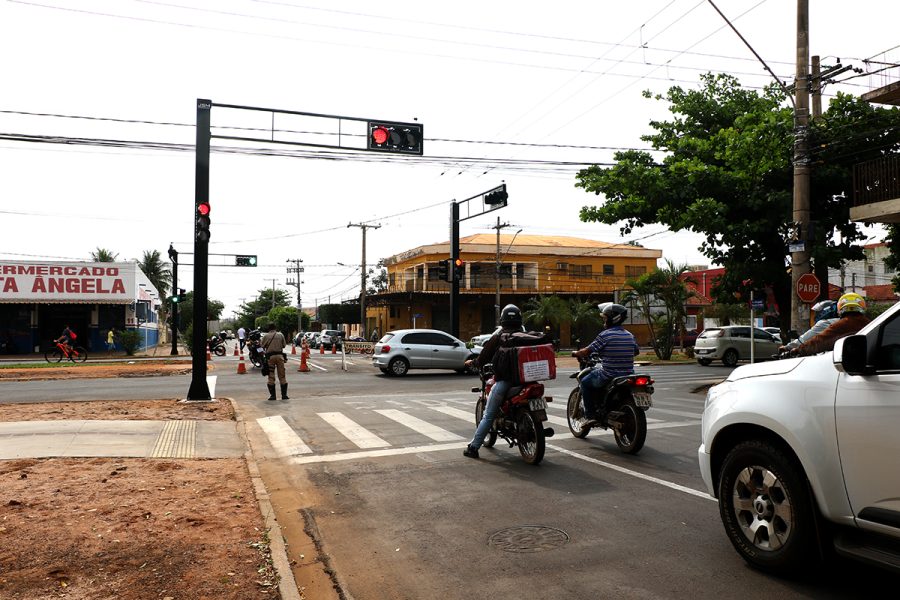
(178, 298)
(444, 270)
(201, 233)
(389, 136)
(247, 260)
(459, 269)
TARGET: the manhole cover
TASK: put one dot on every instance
(528, 538)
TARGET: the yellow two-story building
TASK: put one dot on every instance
(517, 268)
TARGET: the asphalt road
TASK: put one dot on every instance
(375, 464)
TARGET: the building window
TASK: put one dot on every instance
(393, 312)
(580, 270)
(871, 268)
(433, 272)
(635, 271)
(391, 279)
(608, 270)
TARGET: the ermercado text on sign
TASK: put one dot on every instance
(74, 281)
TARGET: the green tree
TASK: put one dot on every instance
(661, 295)
(285, 319)
(156, 271)
(586, 321)
(726, 173)
(378, 279)
(541, 311)
(214, 310)
(103, 255)
(266, 300)
(338, 314)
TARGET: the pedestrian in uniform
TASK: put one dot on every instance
(273, 343)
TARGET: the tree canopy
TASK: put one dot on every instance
(266, 300)
(722, 167)
(103, 255)
(156, 271)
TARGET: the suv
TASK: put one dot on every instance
(731, 344)
(802, 453)
(330, 337)
(399, 351)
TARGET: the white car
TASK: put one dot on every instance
(802, 453)
(479, 340)
(399, 351)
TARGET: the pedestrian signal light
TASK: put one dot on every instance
(402, 138)
(248, 260)
(201, 233)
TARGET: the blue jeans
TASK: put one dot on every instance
(495, 399)
(590, 385)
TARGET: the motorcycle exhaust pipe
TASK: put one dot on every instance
(548, 432)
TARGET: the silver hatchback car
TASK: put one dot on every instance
(399, 351)
(731, 344)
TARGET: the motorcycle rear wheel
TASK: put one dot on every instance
(491, 438)
(574, 415)
(530, 438)
(631, 436)
(220, 350)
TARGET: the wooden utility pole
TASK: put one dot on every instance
(800, 252)
(498, 227)
(362, 268)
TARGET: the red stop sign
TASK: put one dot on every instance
(808, 288)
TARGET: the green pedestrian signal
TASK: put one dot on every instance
(246, 260)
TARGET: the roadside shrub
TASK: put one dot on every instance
(130, 340)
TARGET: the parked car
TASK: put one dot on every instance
(479, 340)
(731, 344)
(802, 453)
(330, 337)
(775, 331)
(399, 351)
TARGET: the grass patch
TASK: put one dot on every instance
(87, 364)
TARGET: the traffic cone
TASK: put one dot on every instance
(242, 367)
(321, 348)
(293, 349)
(304, 368)
(236, 353)
(333, 348)
(208, 355)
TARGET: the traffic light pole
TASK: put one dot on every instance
(173, 254)
(454, 281)
(199, 389)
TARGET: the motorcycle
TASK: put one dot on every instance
(255, 351)
(216, 344)
(627, 400)
(520, 418)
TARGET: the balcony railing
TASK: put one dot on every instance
(876, 180)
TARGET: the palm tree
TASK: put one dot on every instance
(662, 297)
(586, 320)
(104, 255)
(156, 271)
(546, 310)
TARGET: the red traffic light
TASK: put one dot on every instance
(459, 262)
(380, 135)
(203, 208)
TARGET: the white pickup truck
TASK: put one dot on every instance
(803, 454)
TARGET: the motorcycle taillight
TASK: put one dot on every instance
(642, 381)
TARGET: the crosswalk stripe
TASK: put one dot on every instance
(427, 429)
(282, 437)
(465, 415)
(354, 432)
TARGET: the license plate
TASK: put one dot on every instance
(537, 404)
(702, 350)
(643, 400)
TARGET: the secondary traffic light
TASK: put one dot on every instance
(459, 269)
(443, 270)
(495, 197)
(403, 138)
(246, 260)
(201, 233)
(178, 298)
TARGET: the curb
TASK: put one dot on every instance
(287, 586)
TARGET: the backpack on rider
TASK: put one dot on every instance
(525, 356)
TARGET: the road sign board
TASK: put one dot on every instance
(808, 288)
(759, 304)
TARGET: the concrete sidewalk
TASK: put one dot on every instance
(124, 438)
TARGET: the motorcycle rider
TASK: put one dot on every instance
(851, 308)
(510, 321)
(826, 314)
(616, 347)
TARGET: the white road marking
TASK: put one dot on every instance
(455, 412)
(357, 434)
(282, 437)
(305, 460)
(427, 429)
(315, 366)
(211, 384)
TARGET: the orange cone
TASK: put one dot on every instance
(304, 368)
(321, 348)
(208, 355)
(293, 349)
(242, 367)
(333, 348)
(236, 350)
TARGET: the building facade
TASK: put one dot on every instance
(39, 298)
(516, 268)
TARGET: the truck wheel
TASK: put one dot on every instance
(730, 358)
(766, 507)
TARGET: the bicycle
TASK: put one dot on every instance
(60, 351)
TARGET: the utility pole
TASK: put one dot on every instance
(296, 269)
(173, 316)
(363, 276)
(498, 227)
(816, 87)
(800, 258)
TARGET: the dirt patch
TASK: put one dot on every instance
(90, 370)
(129, 529)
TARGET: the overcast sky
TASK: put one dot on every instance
(559, 84)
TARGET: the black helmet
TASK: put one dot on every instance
(613, 313)
(511, 316)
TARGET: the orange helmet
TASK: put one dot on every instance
(851, 302)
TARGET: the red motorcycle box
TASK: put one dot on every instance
(536, 363)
